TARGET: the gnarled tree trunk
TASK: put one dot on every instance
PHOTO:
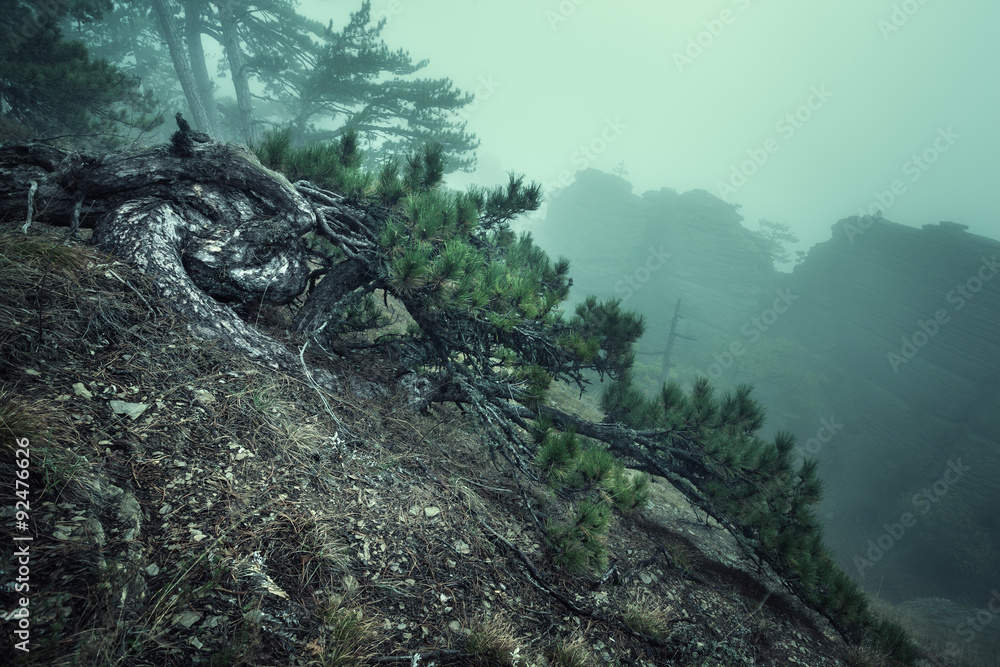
(210, 225)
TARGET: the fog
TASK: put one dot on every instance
(848, 345)
(801, 114)
(832, 104)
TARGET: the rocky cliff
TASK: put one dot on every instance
(881, 351)
(651, 251)
(905, 323)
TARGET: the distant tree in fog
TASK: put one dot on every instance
(286, 70)
(356, 82)
(52, 87)
(776, 235)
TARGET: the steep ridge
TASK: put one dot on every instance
(188, 506)
(906, 325)
(880, 351)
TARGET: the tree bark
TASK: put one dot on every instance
(237, 68)
(341, 281)
(181, 65)
(196, 53)
(214, 229)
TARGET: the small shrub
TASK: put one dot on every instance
(648, 619)
(570, 654)
(629, 491)
(594, 473)
(580, 544)
(493, 642)
(595, 465)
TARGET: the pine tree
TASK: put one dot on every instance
(51, 87)
(357, 82)
(488, 333)
(484, 301)
(319, 81)
(775, 235)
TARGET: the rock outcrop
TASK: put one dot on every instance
(651, 251)
(881, 352)
(905, 323)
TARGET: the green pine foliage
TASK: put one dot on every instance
(594, 466)
(758, 486)
(52, 88)
(331, 165)
(596, 483)
(631, 491)
(614, 330)
(556, 453)
(581, 543)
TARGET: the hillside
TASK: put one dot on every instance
(904, 323)
(190, 507)
(880, 354)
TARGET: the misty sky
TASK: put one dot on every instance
(833, 100)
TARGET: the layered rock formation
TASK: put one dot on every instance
(651, 251)
(906, 325)
(881, 352)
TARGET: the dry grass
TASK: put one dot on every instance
(866, 655)
(571, 653)
(347, 640)
(235, 522)
(648, 617)
(494, 641)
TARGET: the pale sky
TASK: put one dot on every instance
(831, 102)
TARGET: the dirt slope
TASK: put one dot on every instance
(189, 507)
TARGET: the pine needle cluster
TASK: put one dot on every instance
(759, 488)
(331, 165)
(488, 333)
(596, 483)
